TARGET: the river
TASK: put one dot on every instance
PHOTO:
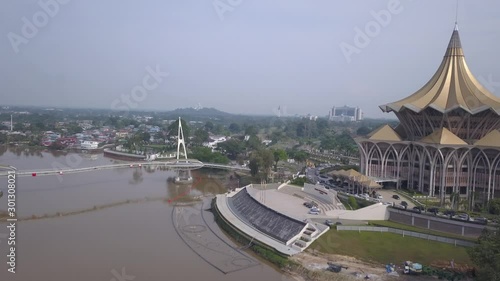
(124, 230)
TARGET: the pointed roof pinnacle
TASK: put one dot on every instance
(455, 46)
(452, 86)
(384, 133)
(443, 136)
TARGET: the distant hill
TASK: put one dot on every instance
(203, 112)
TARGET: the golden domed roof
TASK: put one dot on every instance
(452, 86)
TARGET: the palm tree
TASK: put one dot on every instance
(454, 198)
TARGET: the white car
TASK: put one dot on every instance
(313, 212)
(380, 197)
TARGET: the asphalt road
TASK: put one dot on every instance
(387, 194)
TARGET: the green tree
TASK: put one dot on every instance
(73, 128)
(251, 131)
(200, 136)
(328, 142)
(276, 136)
(266, 160)
(300, 156)
(205, 154)
(209, 126)
(322, 124)
(486, 255)
(455, 199)
(254, 143)
(279, 154)
(254, 166)
(363, 131)
(145, 137)
(220, 130)
(494, 206)
(3, 138)
(174, 127)
(234, 128)
(38, 127)
(261, 161)
(232, 148)
(18, 127)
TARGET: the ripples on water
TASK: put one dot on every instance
(126, 229)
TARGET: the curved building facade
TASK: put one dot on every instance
(448, 138)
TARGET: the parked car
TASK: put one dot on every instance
(433, 210)
(380, 197)
(329, 222)
(450, 213)
(313, 212)
(419, 208)
(462, 216)
(315, 209)
(308, 204)
(481, 220)
(404, 203)
(395, 196)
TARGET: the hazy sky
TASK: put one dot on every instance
(239, 56)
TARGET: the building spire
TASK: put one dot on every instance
(454, 46)
(456, 16)
(452, 86)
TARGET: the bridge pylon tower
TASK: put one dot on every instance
(183, 176)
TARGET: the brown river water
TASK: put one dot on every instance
(124, 232)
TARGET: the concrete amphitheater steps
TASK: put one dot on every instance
(268, 221)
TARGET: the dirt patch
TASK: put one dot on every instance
(354, 269)
(454, 267)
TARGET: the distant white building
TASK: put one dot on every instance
(312, 117)
(89, 144)
(345, 114)
(214, 140)
(267, 142)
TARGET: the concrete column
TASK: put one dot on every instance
(431, 179)
(428, 224)
(489, 183)
(463, 230)
(412, 220)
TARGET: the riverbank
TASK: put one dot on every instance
(312, 264)
(297, 266)
(122, 155)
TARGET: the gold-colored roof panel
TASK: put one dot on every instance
(452, 86)
(491, 139)
(443, 136)
(385, 133)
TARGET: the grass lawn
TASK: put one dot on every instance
(421, 230)
(383, 247)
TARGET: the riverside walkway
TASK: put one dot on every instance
(189, 164)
